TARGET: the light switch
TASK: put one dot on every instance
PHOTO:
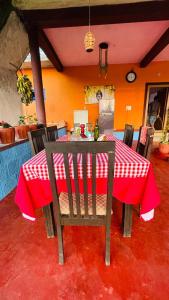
(128, 107)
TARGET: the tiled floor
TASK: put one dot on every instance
(139, 269)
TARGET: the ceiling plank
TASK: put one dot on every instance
(102, 14)
(156, 49)
(46, 46)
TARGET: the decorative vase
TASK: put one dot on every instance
(82, 134)
(7, 135)
(21, 131)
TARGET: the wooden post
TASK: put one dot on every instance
(37, 75)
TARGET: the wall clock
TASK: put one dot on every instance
(131, 76)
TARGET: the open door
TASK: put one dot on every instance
(157, 103)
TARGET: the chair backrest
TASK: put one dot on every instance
(128, 135)
(51, 133)
(145, 149)
(75, 157)
(39, 126)
(37, 138)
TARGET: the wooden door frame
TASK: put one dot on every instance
(148, 85)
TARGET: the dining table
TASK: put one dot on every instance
(134, 183)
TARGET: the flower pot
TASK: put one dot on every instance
(164, 148)
(7, 135)
(21, 131)
(32, 127)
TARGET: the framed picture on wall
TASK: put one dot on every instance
(95, 93)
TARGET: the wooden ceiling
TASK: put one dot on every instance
(101, 14)
(51, 4)
(41, 19)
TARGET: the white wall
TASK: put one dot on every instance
(13, 50)
(10, 105)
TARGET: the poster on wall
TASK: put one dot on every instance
(93, 94)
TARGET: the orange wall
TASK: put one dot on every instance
(65, 91)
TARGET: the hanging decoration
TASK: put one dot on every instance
(103, 59)
(89, 40)
(24, 87)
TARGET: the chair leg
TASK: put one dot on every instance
(127, 219)
(107, 256)
(49, 221)
(108, 234)
(123, 213)
(53, 218)
(60, 244)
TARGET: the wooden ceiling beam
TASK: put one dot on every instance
(156, 49)
(46, 46)
(102, 14)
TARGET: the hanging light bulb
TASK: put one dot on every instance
(103, 55)
(89, 40)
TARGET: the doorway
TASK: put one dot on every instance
(156, 105)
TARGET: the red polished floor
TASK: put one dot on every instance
(139, 269)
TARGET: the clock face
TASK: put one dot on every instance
(131, 76)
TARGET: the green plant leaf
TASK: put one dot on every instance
(24, 87)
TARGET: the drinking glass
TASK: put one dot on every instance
(77, 129)
(89, 128)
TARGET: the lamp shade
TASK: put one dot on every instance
(89, 41)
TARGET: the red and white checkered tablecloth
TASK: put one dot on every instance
(134, 181)
(128, 164)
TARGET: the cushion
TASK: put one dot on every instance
(100, 204)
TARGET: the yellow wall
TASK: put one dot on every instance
(65, 91)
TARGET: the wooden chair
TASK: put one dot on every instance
(81, 209)
(128, 135)
(51, 133)
(40, 126)
(145, 149)
(37, 138)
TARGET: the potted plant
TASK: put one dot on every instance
(24, 87)
(164, 144)
(7, 133)
(22, 129)
(32, 122)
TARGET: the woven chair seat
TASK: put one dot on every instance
(100, 204)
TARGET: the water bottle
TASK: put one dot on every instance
(96, 131)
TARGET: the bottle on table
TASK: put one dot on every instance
(96, 131)
(82, 134)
